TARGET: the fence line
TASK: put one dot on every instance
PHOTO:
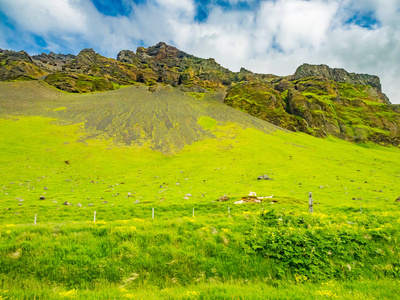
(310, 204)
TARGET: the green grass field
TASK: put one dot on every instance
(128, 151)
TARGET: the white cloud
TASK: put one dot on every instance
(44, 16)
(274, 37)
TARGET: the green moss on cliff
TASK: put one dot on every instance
(79, 83)
(320, 107)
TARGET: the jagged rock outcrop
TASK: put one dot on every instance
(89, 71)
(17, 66)
(342, 76)
(320, 106)
(335, 74)
(52, 62)
(167, 64)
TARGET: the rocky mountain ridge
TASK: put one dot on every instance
(335, 74)
(316, 99)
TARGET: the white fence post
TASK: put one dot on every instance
(152, 212)
(310, 203)
(94, 219)
(193, 211)
(34, 222)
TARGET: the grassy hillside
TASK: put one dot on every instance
(125, 152)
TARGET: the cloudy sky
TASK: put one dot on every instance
(264, 36)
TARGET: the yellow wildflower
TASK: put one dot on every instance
(71, 293)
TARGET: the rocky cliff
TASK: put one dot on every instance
(338, 75)
(322, 101)
(167, 64)
(89, 72)
(52, 62)
(316, 99)
(18, 66)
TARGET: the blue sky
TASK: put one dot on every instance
(265, 36)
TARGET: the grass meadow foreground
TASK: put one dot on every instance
(195, 247)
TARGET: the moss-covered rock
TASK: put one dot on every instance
(321, 106)
(18, 66)
(89, 71)
(79, 83)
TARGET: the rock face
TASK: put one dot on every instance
(90, 71)
(321, 101)
(52, 62)
(167, 64)
(339, 75)
(18, 66)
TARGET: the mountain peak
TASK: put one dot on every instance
(161, 51)
(87, 51)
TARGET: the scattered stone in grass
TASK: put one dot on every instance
(66, 161)
(239, 202)
(136, 202)
(79, 205)
(214, 231)
(188, 195)
(90, 204)
(223, 198)
(129, 194)
(19, 203)
(177, 183)
(42, 198)
(321, 186)
(67, 203)
(117, 194)
(104, 202)
(398, 199)
(46, 188)
(186, 198)
(88, 198)
(54, 201)
(263, 177)
(20, 199)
